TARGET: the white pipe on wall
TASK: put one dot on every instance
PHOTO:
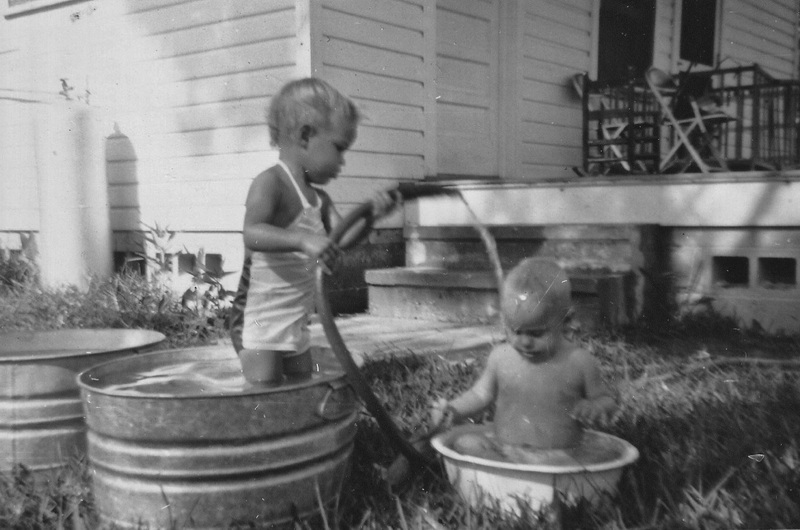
(75, 241)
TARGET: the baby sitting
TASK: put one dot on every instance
(543, 385)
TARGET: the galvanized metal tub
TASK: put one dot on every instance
(41, 417)
(179, 439)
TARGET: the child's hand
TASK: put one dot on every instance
(324, 250)
(384, 202)
(442, 416)
(594, 412)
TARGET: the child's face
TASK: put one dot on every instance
(534, 342)
(324, 154)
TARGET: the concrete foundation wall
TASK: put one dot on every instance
(749, 273)
(729, 241)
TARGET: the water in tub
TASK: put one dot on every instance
(594, 448)
(187, 378)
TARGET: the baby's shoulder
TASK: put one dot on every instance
(578, 355)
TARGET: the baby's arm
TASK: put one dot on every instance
(599, 403)
(469, 403)
(261, 224)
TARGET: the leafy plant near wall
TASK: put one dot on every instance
(128, 299)
(159, 254)
(158, 249)
(207, 292)
(18, 268)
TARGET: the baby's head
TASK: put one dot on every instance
(536, 294)
(309, 101)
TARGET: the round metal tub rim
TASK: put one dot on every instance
(136, 338)
(88, 378)
(628, 455)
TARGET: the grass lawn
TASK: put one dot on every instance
(714, 411)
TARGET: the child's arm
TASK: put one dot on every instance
(330, 215)
(383, 203)
(600, 402)
(262, 233)
(469, 403)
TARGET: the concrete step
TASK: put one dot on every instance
(577, 247)
(471, 296)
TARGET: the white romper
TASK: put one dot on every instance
(280, 298)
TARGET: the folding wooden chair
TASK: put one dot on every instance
(687, 130)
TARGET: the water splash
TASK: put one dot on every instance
(490, 244)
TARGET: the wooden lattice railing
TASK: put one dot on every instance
(763, 134)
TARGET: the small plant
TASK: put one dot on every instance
(18, 268)
(207, 292)
(158, 250)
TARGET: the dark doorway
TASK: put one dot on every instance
(625, 47)
(698, 31)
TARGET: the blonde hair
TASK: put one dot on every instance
(536, 291)
(308, 101)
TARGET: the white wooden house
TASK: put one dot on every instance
(477, 91)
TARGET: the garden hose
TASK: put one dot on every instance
(346, 236)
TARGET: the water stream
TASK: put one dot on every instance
(490, 244)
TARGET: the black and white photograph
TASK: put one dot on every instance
(399, 264)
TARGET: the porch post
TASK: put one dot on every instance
(75, 242)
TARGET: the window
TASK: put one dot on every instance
(698, 31)
(625, 46)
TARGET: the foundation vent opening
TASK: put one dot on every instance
(777, 273)
(730, 271)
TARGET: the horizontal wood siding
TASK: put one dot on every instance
(761, 31)
(557, 43)
(375, 52)
(467, 87)
(184, 83)
(18, 197)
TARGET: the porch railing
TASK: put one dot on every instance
(763, 134)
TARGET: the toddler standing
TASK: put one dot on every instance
(286, 225)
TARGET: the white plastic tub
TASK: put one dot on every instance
(484, 482)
